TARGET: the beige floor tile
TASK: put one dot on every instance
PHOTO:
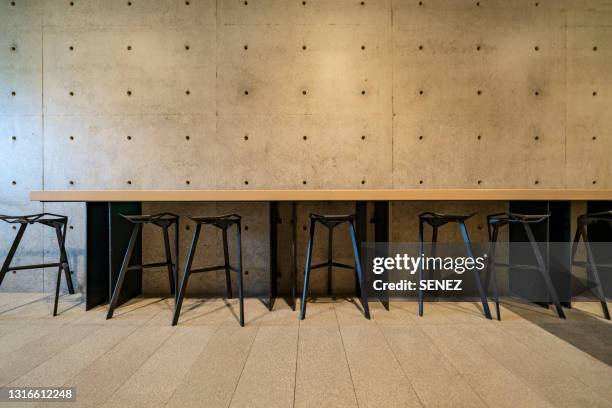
(323, 377)
(399, 314)
(256, 310)
(377, 375)
(34, 353)
(6, 329)
(435, 380)
(575, 395)
(212, 312)
(281, 315)
(452, 356)
(349, 312)
(593, 309)
(268, 378)
(320, 313)
(9, 300)
(543, 372)
(529, 366)
(59, 369)
(495, 384)
(447, 313)
(165, 308)
(209, 312)
(17, 335)
(20, 312)
(137, 311)
(96, 383)
(522, 311)
(40, 307)
(569, 358)
(155, 381)
(214, 375)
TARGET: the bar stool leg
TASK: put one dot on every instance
(434, 251)
(360, 275)
(64, 260)
(61, 241)
(492, 271)
(124, 267)
(543, 270)
(171, 270)
(576, 241)
(468, 247)
(421, 250)
(330, 259)
(228, 278)
(240, 286)
(307, 272)
(11, 252)
(57, 290)
(186, 273)
(593, 269)
(176, 259)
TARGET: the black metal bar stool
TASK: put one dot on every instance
(59, 223)
(223, 222)
(436, 221)
(591, 266)
(495, 222)
(164, 221)
(330, 222)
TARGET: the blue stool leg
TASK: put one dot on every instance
(330, 249)
(307, 272)
(592, 268)
(11, 253)
(421, 250)
(492, 271)
(61, 240)
(171, 270)
(543, 270)
(228, 278)
(64, 259)
(360, 275)
(186, 273)
(123, 271)
(468, 247)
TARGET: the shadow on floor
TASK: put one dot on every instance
(585, 331)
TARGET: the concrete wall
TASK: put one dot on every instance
(204, 94)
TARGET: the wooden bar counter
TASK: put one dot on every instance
(416, 194)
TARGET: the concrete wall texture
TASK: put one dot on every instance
(205, 94)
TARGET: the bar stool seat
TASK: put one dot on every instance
(502, 219)
(223, 222)
(437, 220)
(498, 220)
(604, 216)
(220, 220)
(591, 266)
(330, 222)
(332, 219)
(164, 221)
(55, 221)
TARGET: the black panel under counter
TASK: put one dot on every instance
(107, 237)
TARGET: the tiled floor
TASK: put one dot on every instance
(335, 358)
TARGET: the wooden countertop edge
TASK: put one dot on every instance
(416, 194)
